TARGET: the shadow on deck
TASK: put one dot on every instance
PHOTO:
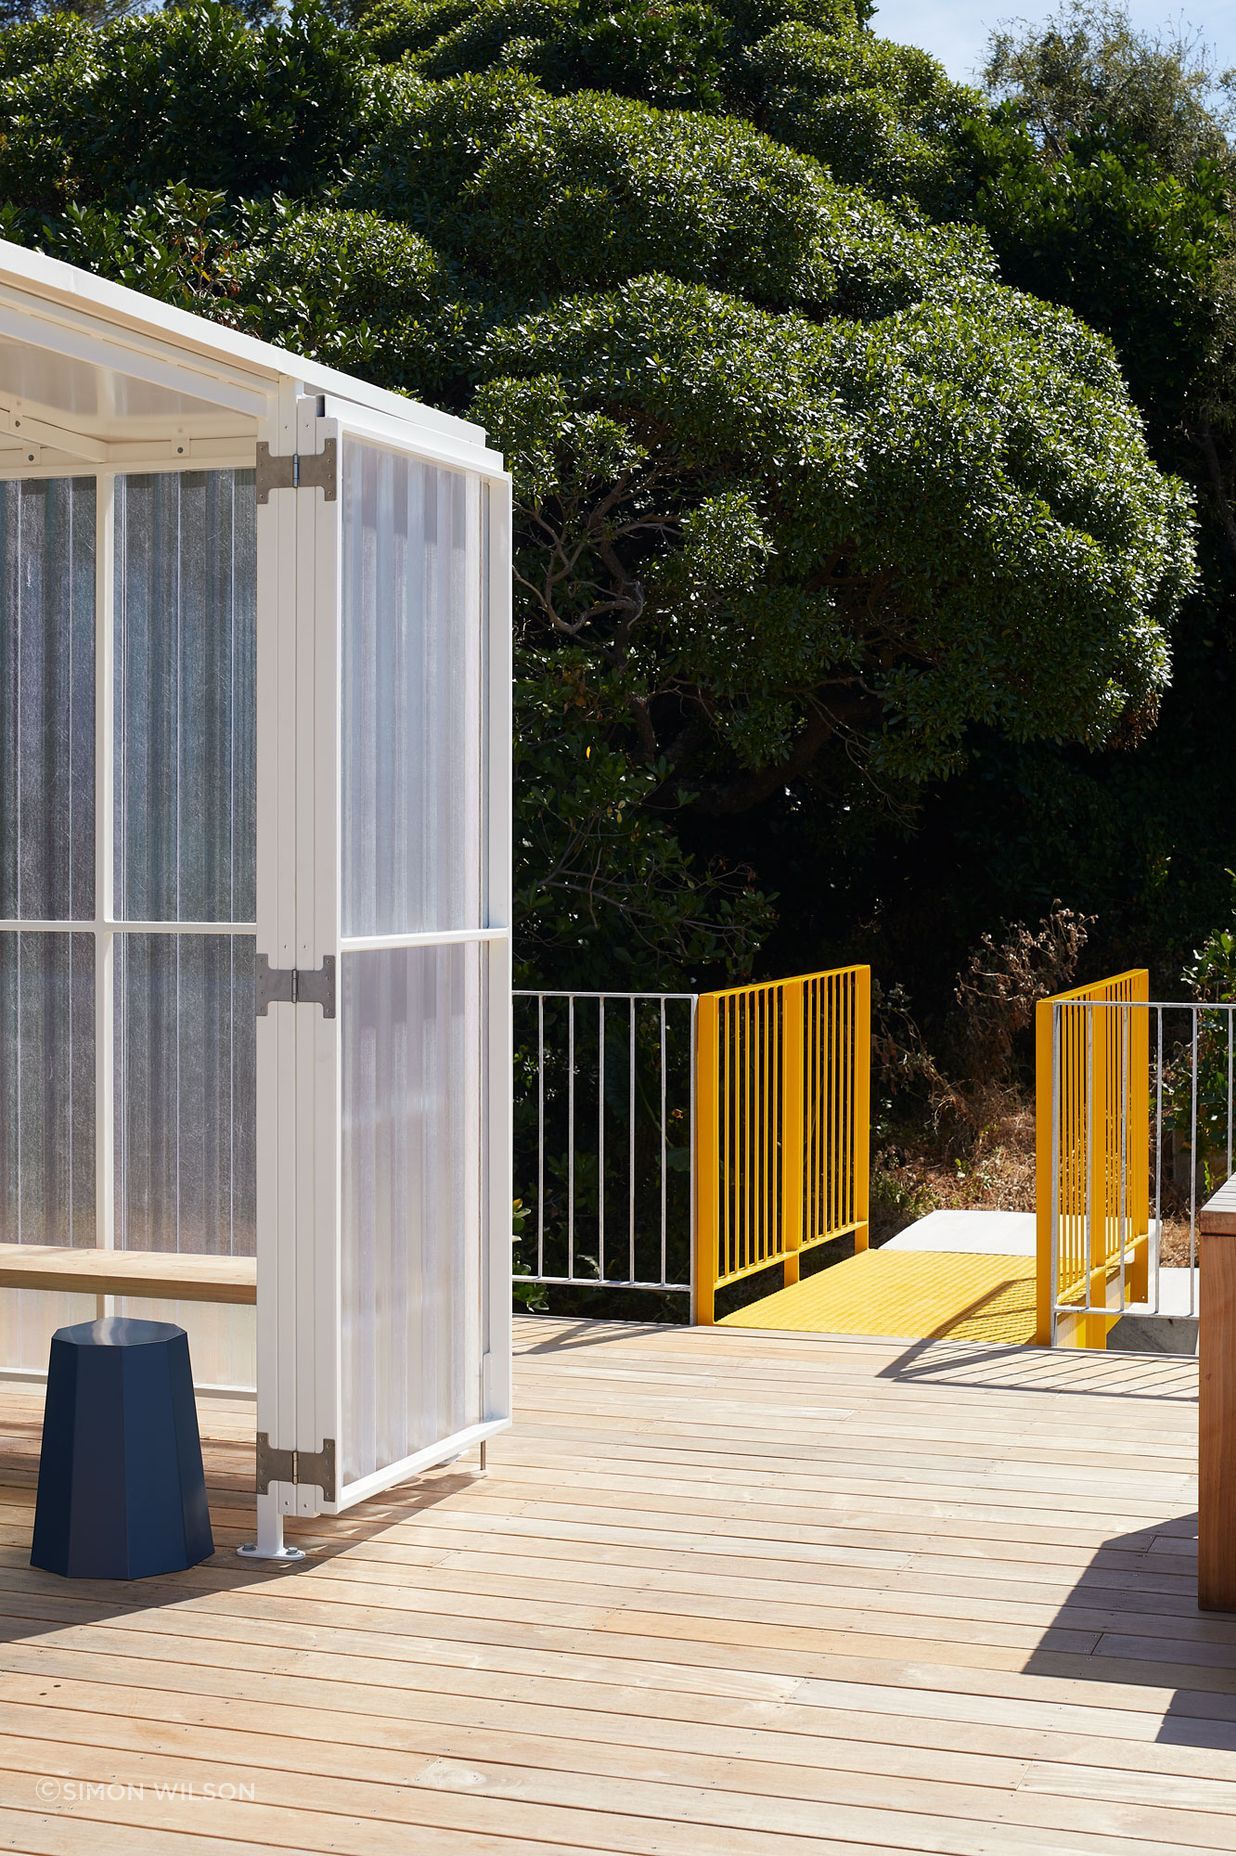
(1137, 1596)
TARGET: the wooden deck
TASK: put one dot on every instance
(722, 1594)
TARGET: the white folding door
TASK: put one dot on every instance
(383, 1050)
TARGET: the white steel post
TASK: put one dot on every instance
(269, 1543)
(277, 598)
(104, 908)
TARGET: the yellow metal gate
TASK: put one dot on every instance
(782, 1130)
(1092, 1157)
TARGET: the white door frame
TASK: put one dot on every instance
(299, 1135)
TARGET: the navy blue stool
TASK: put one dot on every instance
(121, 1489)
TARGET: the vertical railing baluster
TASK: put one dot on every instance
(692, 1120)
(791, 1108)
(759, 1120)
(1088, 1250)
(861, 1185)
(748, 1103)
(601, 1141)
(709, 1114)
(1056, 1187)
(1194, 1012)
(1229, 1092)
(631, 1147)
(540, 1145)
(1139, 1137)
(1158, 1155)
(664, 1261)
(571, 1134)
(1123, 1225)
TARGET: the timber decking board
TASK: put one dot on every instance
(722, 1594)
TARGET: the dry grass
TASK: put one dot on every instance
(1174, 1247)
(983, 1160)
(995, 1172)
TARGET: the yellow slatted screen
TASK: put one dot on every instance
(1092, 1153)
(783, 1087)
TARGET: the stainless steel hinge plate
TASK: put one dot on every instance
(303, 470)
(294, 986)
(296, 1466)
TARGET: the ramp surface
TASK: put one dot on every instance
(907, 1295)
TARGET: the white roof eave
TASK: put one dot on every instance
(36, 287)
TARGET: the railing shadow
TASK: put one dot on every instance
(1074, 1372)
(1009, 1301)
(565, 1333)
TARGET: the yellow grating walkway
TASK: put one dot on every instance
(907, 1295)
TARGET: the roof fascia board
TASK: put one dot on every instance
(404, 435)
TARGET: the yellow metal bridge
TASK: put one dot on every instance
(783, 1088)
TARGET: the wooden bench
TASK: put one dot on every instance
(167, 1276)
(1216, 1493)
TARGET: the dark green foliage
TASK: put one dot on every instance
(540, 194)
(1136, 251)
(359, 292)
(871, 111)
(883, 537)
(366, 295)
(699, 45)
(187, 94)
(813, 510)
(804, 70)
(606, 891)
(36, 40)
(1105, 181)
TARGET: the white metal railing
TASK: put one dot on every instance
(604, 1138)
(1140, 1132)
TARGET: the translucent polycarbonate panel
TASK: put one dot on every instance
(47, 700)
(186, 577)
(29, 1318)
(185, 1093)
(222, 1339)
(47, 1145)
(411, 1029)
(412, 710)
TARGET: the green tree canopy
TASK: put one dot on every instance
(809, 500)
(1104, 179)
(806, 71)
(1086, 77)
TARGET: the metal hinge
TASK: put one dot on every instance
(303, 470)
(299, 1466)
(294, 985)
